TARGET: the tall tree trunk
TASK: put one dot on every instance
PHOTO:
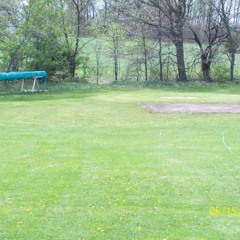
(182, 76)
(160, 45)
(71, 61)
(224, 13)
(206, 67)
(145, 57)
(160, 59)
(115, 64)
(206, 73)
(72, 64)
(232, 66)
(232, 50)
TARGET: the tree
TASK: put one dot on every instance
(209, 38)
(115, 35)
(45, 48)
(74, 19)
(224, 10)
(14, 34)
(112, 31)
(169, 19)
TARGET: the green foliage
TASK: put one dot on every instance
(46, 53)
(32, 43)
(45, 49)
(43, 35)
(13, 36)
(220, 73)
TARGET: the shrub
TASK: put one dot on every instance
(220, 73)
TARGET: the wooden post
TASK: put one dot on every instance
(35, 86)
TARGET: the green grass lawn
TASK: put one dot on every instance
(93, 164)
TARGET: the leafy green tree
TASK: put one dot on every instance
(111, 30)
(45, 49)
(14, 36)
(115, 36)
(75, 19)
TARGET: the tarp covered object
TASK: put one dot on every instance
(11, 76)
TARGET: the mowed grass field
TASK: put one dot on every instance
(93, 164)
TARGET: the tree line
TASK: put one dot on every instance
(52, 35)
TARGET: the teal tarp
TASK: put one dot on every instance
(11, 76)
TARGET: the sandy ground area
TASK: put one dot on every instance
(191, 108)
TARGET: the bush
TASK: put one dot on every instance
(220, 73)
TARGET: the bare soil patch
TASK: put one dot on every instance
(179, 97)
(192, 107)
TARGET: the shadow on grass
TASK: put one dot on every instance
(45, 96)
(78, 91)
(52, 94)
(198, 87)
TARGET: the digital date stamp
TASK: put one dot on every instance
(226, 211)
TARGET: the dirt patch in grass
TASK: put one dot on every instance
(179, 97)
(192, 108)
